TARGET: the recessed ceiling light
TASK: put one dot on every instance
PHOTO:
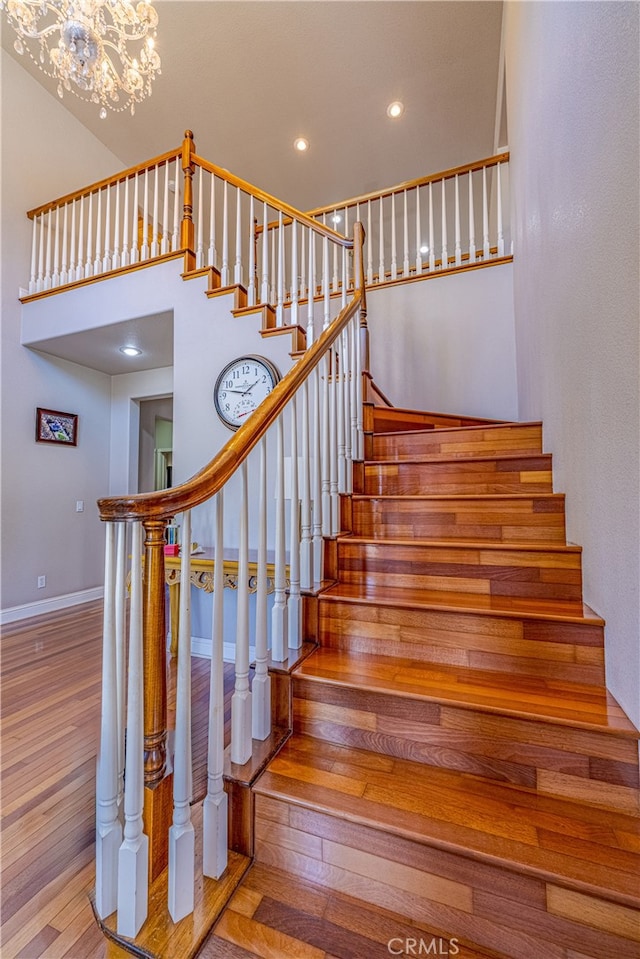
(336, 218)
(395, 109)
(130, 350)
(301, 144)
(424, 248)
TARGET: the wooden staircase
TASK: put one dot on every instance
(455, 756)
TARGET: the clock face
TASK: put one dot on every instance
(241, 387)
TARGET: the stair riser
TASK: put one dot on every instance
(505, 521)
(531, 573)
(522, 916)
(566, 651)
(454, 443)
(554, 760)
(391, 419)
(532, 475)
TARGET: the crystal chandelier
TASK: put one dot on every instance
(100, 50)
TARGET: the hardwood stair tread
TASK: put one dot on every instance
(464, 497)
(573, 843)
(522, 697)
(514, 457)
(461, 544)
(479, 427)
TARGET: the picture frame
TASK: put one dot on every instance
(54, 426)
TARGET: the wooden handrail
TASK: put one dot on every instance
(413, 184)
(207, 482)
(108, 181)
(288, 210)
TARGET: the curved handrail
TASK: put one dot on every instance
(285, 208)
(108, 181)
(412, 184)
(210, 479)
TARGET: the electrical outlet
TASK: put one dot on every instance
(42, 582)
(79, 506)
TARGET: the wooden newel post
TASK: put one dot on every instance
(158, 785)
(187, 229)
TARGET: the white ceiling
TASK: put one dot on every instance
(249, 76)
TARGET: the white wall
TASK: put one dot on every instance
(572, 95)
(447, 344)
(41, 532)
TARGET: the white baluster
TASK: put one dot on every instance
(369, 246)
(124, 261)
(47, 275)
(325, 283)
(354, 332)
(80, 265)
(214, 820)
(155, 223)
(261, 688)
(316, 515)
(108, 826)
(134, 223)
(165, 211)
(64, 274)
(302, 286)
(333, 448)
(55, 278)
(358, 372)
(345, 281)
(445, 253)
(200, 240)
(120, 630)
(115, 261)
(472, 222)
(294, 603)
(40, 279)
(97, 263)
(212, 259)
(279, 621)
(73, 262)
(346, 399)
(405, 261)
(264, 285)
(34, 247)
(334, 282)
(237, 272)
(181, 833)
(458, 248)
(338, 389)
(500, 227)
(310, 299)
(133, 856)
(280, 288)
(144, 253)
(486, 249)
(241, 699)
(432, 245)
(293, 319)
(394, 254)
(175, 237)
(106, 259)
(418, 234)
(382, 276)
(326, 439)
(225, 235)
(306, 545)
(274, 272)
(252, 254)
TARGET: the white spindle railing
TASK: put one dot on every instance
(313, 413)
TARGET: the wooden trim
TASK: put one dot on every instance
(108, 181)
(163, 258)
(213, 477)
(431, 275)
(412, 184)
(259, 194)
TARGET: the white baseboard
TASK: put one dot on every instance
(201, 646)
(12, 614)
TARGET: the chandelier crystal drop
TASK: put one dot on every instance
(103, 51)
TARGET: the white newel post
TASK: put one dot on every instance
(214, 823)
(279, 620)
(326, 469)
(133, 857)
(261, 689)
(241, 700)
(333, 445)
(181, 833)
(108, 826)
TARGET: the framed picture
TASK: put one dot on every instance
(55, 427)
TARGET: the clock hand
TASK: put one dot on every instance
(250, 388)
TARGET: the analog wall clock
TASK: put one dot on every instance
(241, 387)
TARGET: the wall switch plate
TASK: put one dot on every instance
(42, 582)
(79, 506)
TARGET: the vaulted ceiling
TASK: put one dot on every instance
(249, 76)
